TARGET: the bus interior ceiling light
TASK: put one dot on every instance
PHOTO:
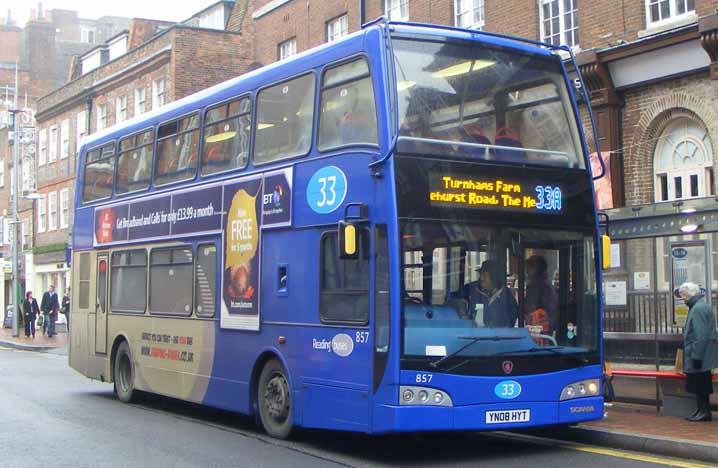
(689, 228)
(463, 68)
(404, 85)
(220, 137)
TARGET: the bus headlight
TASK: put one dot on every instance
(583, 388)
(423, 396)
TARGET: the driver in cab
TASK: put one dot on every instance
(491, 303)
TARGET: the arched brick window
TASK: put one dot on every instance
(683, 161)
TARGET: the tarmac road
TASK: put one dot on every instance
(52, 416)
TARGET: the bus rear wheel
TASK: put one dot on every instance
(274, 399)
(123, 374)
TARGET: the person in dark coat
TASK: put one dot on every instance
(700, 349)
(30, 311)
(491, 303)
(49, 306)
(541, 302)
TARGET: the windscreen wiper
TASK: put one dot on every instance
(472, 340)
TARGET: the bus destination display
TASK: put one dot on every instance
(495, 193)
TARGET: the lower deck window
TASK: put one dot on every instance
(128, 281)
(171, 278)
(344, 283)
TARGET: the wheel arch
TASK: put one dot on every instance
(119, 339)
(265, 356)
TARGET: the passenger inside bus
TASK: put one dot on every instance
(541, 303)
(491, 302)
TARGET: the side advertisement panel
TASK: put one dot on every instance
(239, 210)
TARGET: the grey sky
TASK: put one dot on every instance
(169, 10)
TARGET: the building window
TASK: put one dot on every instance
(64, 208)
(121, 108)
(101, 116)
(559, 22)
(336, 28)
(661, 10)
(41, 215)
(81, 128)
(469, 13)
(25, 231)
(87, 35)
(684, 162)
(52, 209)
(158, 93)
(64, 139)
(42, 151)
(52, 155)
(287, 48)
(140, 101)
(397, 10)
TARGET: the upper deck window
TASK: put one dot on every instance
(348, 113)
(473, 101)
(134, 163)
(177, 148)
(285, 113)
(226, 136)
(99, 172)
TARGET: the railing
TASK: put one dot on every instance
(643, 331)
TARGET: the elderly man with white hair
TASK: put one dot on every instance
(700, 349)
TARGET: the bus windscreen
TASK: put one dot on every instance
(474, 101)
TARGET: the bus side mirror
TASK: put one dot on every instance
(605, 251)
(348, 239)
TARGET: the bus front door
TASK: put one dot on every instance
(101, 305)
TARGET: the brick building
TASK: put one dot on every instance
(39, 52)
(135, 71)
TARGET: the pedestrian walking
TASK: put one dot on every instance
(30, 311)
(65, 309)
(700, 349)
(50, 306)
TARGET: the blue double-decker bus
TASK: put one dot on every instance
(391, 232)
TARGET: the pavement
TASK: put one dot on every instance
(624, 426)
(39, 343)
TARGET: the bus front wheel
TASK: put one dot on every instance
(123, 373)
(275, 400)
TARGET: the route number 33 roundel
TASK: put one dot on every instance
(326, 190)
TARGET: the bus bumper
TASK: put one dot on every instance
(389, 418)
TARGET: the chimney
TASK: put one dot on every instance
(33, 14)
(40, 14)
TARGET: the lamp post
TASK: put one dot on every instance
(15, 182)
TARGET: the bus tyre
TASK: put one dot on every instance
(274, 398)
(124, 374)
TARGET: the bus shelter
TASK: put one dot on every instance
(654, 249)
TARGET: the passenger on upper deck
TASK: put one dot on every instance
(491, 303)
